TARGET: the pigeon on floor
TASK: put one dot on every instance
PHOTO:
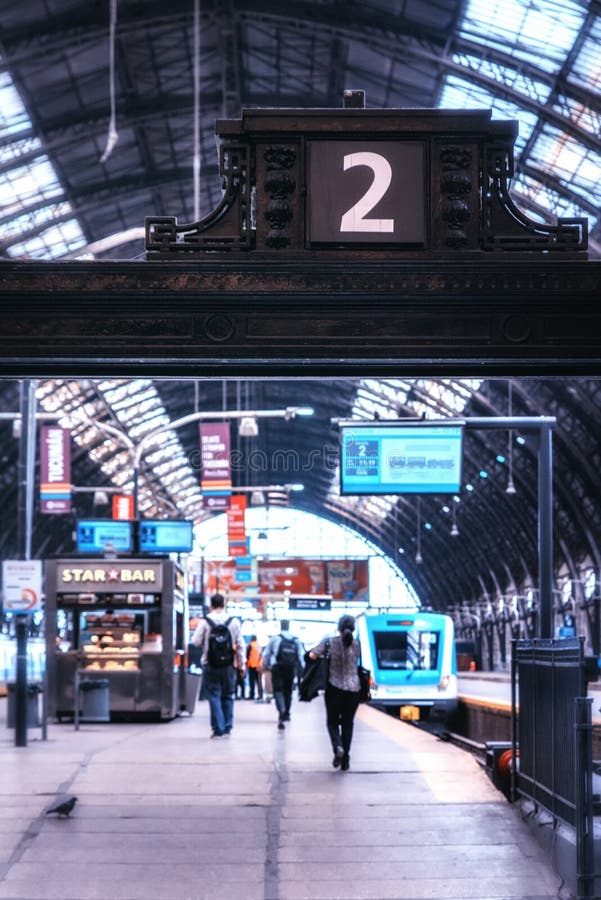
(64, 808)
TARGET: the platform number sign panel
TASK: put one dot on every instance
(367, 192)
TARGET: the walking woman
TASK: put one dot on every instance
(342, 690)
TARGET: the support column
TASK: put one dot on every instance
(545, 532)
(26, 475)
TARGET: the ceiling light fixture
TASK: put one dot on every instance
(249, 427)
(454, 529)
(510, 489)
(418, 556)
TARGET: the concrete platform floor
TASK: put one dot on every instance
(166, 813)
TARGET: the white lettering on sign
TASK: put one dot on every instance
(354, 218)
(80, 576)
(56, 460)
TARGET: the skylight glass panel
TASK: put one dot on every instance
(461, 94)
(540, 200)
(54, 241)
(32, 220)
(586, 70)
(507, 76)
(29, 186)
(18, 148)
(586, 118)
(20, 185)
(13, 117)
(560, 155)
(540, 32)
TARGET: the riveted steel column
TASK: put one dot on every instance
(545, 531)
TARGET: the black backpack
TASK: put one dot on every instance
(287, 653)
(221, 649)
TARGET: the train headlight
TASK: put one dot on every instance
(444, 682)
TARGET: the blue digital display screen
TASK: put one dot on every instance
(165, 536)
(400, 459)
(100, 535)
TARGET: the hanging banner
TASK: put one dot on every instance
(236, 526)
(215, 469)
(55, 469)
(123, 507)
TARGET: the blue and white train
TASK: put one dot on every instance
(411, 655)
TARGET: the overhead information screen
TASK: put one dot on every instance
(164, 536)
(98, 535)
(400, 459)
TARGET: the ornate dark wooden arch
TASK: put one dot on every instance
(249, 291)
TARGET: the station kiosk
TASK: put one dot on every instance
(123, 621)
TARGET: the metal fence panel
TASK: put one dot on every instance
(550, 676)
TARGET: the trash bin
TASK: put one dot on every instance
(33, 715)
(192, 690)
(95, 700)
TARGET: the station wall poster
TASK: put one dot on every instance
(342, 579)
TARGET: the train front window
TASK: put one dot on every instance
(407, 649)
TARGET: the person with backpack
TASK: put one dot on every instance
(223, 653)
(284, 657)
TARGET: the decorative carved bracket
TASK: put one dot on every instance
(508, 228)
(228, 227)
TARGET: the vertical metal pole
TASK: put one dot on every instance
(202, 579)
(585, 879)
(21, 683)
(26, 474)
(545, 532)
(136, 487)
(30, 455)
(514, 722)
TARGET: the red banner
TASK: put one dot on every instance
(236, 526)
(55, 469)
(215, 469)
(123, 507)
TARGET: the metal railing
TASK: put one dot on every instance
(553, 736)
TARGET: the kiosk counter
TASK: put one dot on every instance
(123, 620)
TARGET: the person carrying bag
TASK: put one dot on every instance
(343, 687)
(315, 675)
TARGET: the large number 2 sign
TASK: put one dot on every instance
(354, 218)
(366, 193)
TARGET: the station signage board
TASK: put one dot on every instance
(367, 192)
(310, 603)
(22, 585)
(102, 576)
